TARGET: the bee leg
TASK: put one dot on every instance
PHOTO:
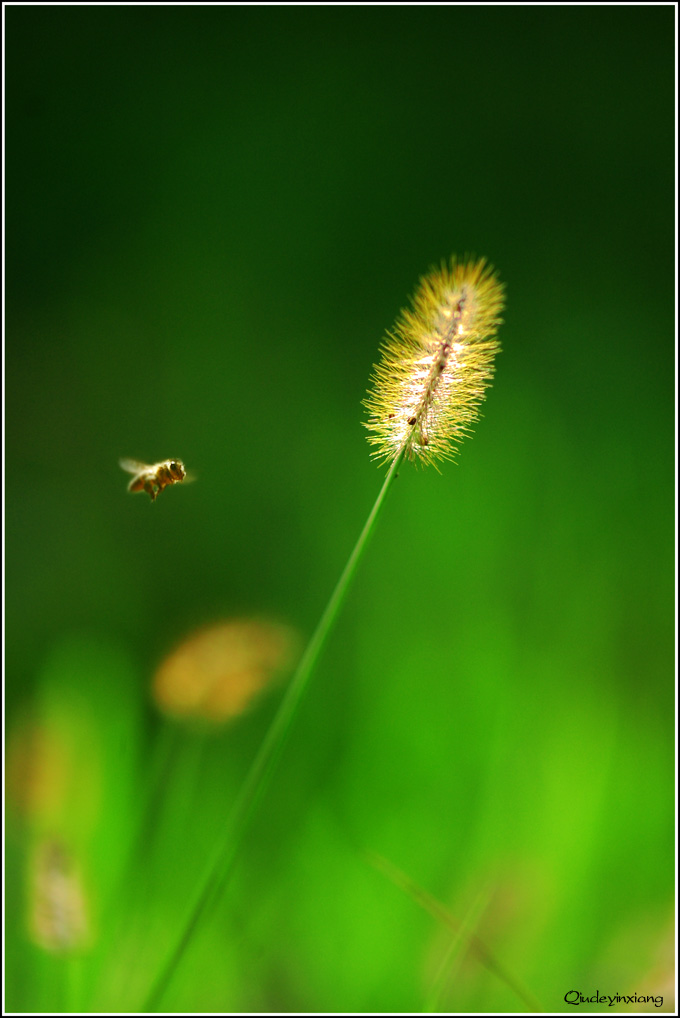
(150, 489)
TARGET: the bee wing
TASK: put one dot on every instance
(133, 466)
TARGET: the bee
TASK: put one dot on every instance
(152, 478)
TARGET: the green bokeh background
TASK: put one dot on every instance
(213, 214)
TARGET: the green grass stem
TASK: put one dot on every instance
(263, 766)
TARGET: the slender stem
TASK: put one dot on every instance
(440, 912)
(269, 753)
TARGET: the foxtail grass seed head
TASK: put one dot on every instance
(58, 920)
(48, 788)
(215, 674)
(436, 364)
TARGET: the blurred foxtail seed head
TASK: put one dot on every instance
(436, 364)
(215, 674)
(58, 919)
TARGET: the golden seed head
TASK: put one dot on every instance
(216, 673)
(436, 364)
(58, 920)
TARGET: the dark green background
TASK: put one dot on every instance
(213, 214)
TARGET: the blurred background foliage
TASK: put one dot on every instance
(213, 214)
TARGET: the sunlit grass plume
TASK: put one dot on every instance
(436, 364)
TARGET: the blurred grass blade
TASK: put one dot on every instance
(440, 912)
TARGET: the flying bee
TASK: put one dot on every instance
(152, 478)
